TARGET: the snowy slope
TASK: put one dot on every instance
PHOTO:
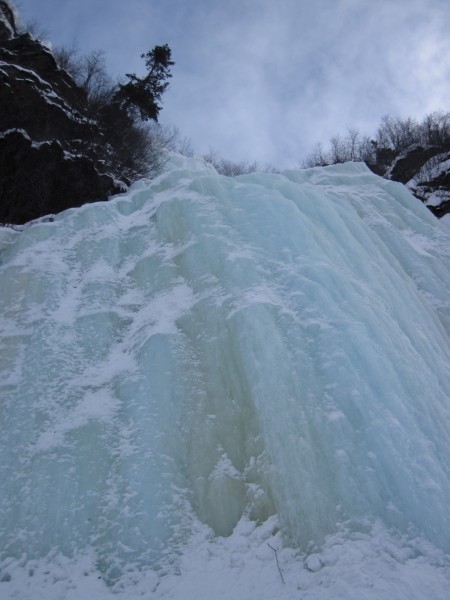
(206, 366)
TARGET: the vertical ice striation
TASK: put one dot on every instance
(207, 347)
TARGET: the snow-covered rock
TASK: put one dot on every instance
(41, 103)
(425, 170)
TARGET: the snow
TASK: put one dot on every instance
(22, 132)
(436, 198)
(228, 388)
(435, 167)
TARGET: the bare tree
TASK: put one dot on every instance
(67, 58)
(318, 158)
(89, 72)
(435, 129)
(230, 168)
(338, 152)
(398, 134)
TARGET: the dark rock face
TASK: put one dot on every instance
(8, 28)
(426, 172)
(441, 209)
(44, 131)
(37, 96)
(409, 163)
(41, 178)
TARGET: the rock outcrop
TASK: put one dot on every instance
(409, 162)
(45, 132)
(426, 172)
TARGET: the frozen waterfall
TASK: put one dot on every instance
(266, 354)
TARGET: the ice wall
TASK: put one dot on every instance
(208, 347)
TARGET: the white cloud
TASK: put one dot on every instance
(262, 80)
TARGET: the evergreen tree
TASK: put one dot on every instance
(141, 95)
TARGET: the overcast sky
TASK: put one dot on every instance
(267, 79)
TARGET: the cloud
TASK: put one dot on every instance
(262, 80)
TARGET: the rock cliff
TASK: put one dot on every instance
(425, 170)
(44, 129)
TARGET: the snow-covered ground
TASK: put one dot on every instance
(228, 388)
(371, 565)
